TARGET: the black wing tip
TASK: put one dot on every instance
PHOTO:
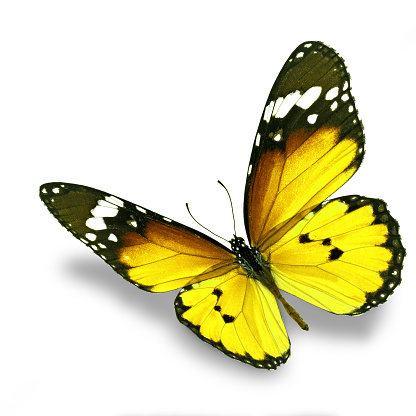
(268, 363)
(314, 45)
(49, 185)
(50, 189)
(45, 189)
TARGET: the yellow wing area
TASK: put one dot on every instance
(164, 257)
(239, 316)
(344, 257)
(312, 167)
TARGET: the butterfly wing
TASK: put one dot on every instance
(151, 251)
(239, 316)
(309, 142)
(344, 256)
(231, 311)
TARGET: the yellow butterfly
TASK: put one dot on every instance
(343, 255)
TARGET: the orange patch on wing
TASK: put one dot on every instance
(167, 258)
(183, 241)
(133, 239)
(296, 139)
(268, 172)
(283, 177)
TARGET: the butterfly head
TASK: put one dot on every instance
(237, 244)
(245, 255)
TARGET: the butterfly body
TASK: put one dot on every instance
(342, 255)
(252, 261)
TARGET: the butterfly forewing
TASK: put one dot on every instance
(309, 143)
(153, 252)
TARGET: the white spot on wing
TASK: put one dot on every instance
(288, 102)
(332, 93)
(249, 169)
(309, 97)
(141, 209)
(101, 210)
(132, 223)
(258, 139)
(113, 237)
(268, 111)
(312, 118)
(114, 200)
(277, 105)
(104, 203)
(334, 105)
(95, 224)
(91, 236)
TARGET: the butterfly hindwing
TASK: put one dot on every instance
(151, 251)
(239, 316)
(345, 256)
(309, 142)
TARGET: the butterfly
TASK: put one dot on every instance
(343, 255)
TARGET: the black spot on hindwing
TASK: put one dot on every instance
(217, 292)
(304, 238)
(228, 318)
(335, 254)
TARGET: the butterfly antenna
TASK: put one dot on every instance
(205, 228)
(231, 202)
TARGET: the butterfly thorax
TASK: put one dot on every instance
(251, 260)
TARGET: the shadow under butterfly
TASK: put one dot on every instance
(342, 255)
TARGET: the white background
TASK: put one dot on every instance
(153, 102)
